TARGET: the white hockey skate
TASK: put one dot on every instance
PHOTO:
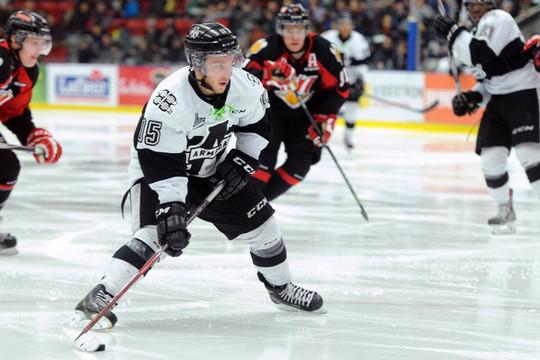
(90, 306)
(8, 244)
(505, 221)
(291, 297)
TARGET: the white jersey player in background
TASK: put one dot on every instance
(180, 153)
(354, 48)
(509, 84)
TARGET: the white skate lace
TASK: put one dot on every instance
(102, 299)
(294, 294)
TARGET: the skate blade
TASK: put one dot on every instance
(9, 251)
(505, 229)
(79, 320)
(289, 308)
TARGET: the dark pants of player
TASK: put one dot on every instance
(301, 154)
(508, 121)
(240, 214)
(9, 172)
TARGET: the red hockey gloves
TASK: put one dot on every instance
(532, 50)
(235, 171)
(48, 150)
(326, 124)
(466, 103)
(447, 28)
(171, 227)
(277, 73)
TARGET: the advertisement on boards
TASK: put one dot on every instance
(136, 83)
(82, 84)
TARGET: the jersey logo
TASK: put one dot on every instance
(199, 121)
(304, 85)
(203, 151)
(165, 101)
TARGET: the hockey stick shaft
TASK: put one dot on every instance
(430, 107)
(327, 147)
(149, 263)
(4, 146)
(453, 67)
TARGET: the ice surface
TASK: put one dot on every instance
(423, 280)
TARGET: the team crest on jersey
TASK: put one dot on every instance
(165, 101)
(304, 85)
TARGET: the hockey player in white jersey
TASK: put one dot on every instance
(509, 84)
(354, 49)
(180, 153)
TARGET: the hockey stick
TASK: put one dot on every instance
(453, 66)
(4, 146)
(327, 147)
(430, 107)
(149, 263)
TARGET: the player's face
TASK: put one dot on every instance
(476, 10)
(218, 70)
(32, 48)
(294, 36)
(345, 28)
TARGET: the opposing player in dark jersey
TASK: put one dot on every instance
(294, 55)
(179, 154)
(27, 37)
(509, 84)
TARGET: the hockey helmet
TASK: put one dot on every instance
(23, 24)
(291, 14)
(344, 17)
(210, 39)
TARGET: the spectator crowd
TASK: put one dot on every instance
(138, 32)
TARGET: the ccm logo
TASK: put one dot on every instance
(247, 168)
(163, 211)
(256, 208)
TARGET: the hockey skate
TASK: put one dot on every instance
(291, 297)
(504, 222)
(8, 244)
(90, 306)
(348, 138)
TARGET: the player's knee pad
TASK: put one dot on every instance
(139, 249)
(528, 155)
(9, 169)
(494, 165)
(351, 113)
(266, 244)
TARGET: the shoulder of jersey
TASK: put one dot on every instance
(264, 47)
(165, 99)
(330, 34)
(496, 17)
(245, 84)
(325, 50)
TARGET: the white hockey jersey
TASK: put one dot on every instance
(355, 52)
(493, 50)
(181, 135)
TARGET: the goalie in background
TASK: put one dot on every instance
(27, 37)
(508, 83)
(354, 49)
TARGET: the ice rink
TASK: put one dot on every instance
(423, 280)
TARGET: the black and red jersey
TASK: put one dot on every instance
(16, 83)
(320, 77)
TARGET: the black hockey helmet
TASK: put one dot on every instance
(210, 39)
(291, 14)
(27, 23)
(345, 17)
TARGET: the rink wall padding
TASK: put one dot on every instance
(126, 88)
